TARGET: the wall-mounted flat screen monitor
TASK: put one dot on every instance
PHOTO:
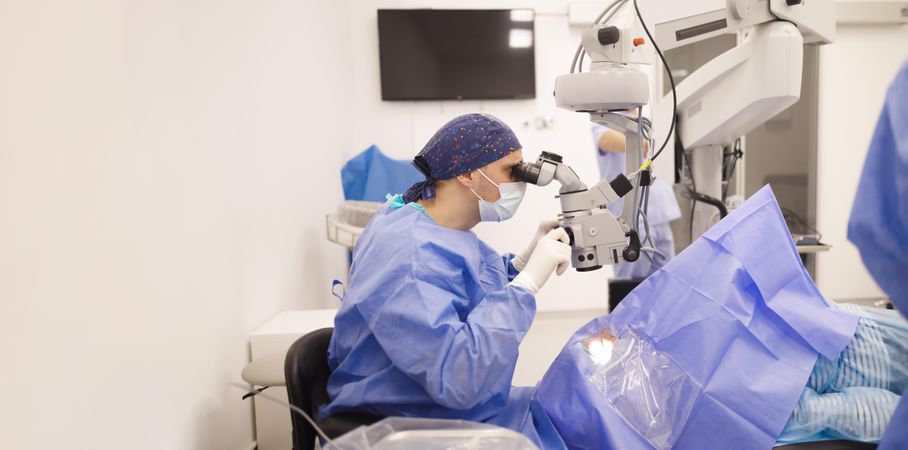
(432, 54)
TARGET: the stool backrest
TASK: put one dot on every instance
(306, 372)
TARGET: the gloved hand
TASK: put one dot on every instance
(552, 253)
(520, 260)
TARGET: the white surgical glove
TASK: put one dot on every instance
(520, 260)
(552, 254)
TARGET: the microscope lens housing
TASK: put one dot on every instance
(527, 172)
(595, 235)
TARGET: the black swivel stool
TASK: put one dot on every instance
(306, 372)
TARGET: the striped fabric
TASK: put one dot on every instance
(854, 396)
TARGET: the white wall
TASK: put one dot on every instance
(165, 168)
(400, 129)
(854, 74)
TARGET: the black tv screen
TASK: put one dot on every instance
(432, 54)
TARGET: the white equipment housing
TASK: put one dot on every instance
(723, 100)
(683, 23)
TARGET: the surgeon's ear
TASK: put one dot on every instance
(467, 180)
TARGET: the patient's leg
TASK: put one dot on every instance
(858, 414)
(854, 396)
(877, 356)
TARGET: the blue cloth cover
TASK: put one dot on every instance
(371, 175)
(879, 219)
(430, 327)
(737, 314)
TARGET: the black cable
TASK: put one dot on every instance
(637, 180)
(294, 408)
(729, 164)
(693, 188)
(698, 197)
(255, 392)
(649, 237)
(723, 211)
(693, 208)
(686, 162)
(671, 79)
(727, 181)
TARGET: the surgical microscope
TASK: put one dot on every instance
(596, 236)
(718, 103)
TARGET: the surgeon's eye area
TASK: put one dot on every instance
(512, 172)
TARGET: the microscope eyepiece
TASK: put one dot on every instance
(530, 172)
(527, 172)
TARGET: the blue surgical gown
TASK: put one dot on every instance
(663, 208)
(430, 327)
(879, 218)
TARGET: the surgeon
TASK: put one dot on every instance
(663, 207)
(879, 219)
(433, 317)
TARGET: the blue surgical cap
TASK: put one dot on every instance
(466, 143)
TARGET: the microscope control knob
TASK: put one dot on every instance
(608, 35)
(630, 254)
(570, 234)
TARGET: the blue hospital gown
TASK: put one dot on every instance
(663, 208)
(878, 225)
(430, 327)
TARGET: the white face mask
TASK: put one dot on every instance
(506, 206)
